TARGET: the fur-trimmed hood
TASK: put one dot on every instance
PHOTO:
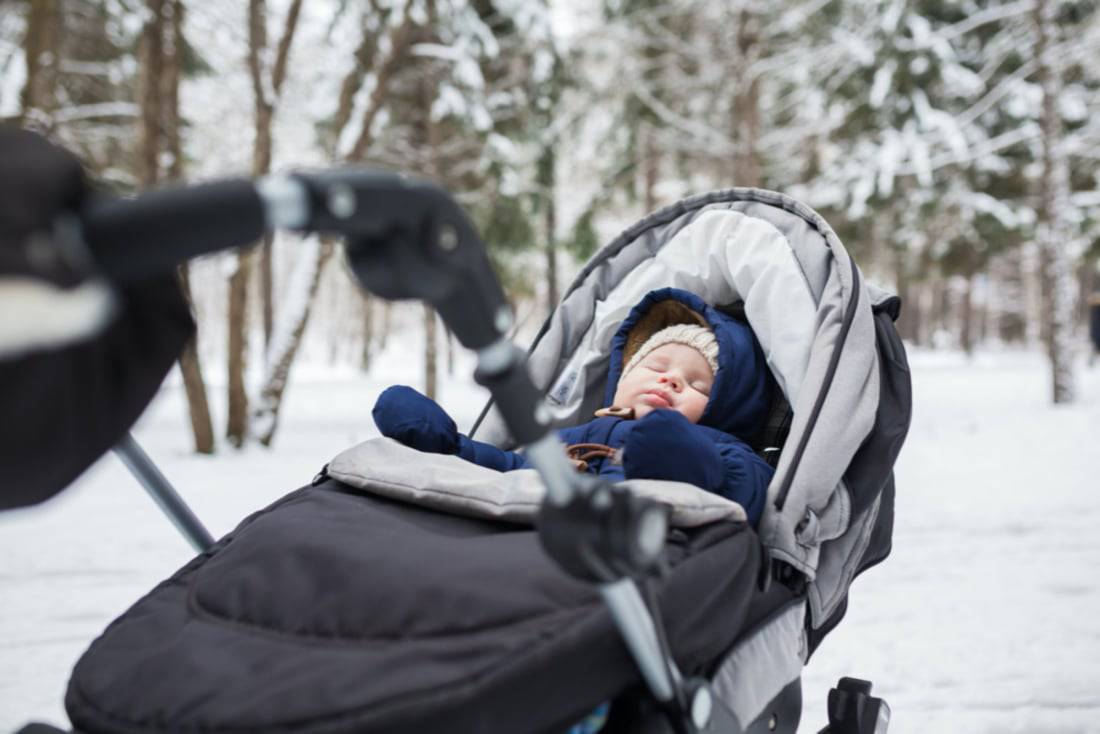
(740, 395)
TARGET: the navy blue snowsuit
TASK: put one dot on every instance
(662, 445)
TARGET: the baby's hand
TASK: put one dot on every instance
(403, 414)
(666, 445)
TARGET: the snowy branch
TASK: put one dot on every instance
(984, 17)
(1028, 131)
(723, 145)
(95, 111)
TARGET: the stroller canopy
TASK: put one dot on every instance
(814, 316)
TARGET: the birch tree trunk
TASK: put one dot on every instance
(287, 336)
(266, 86)
(288, 332)
(1053, 230)
(428, 88)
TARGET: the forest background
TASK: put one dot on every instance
(952, 144)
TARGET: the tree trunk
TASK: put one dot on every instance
(430, 350)
(1053, 230)
(449, 340)
(287, 338)
(305, 279)
(368, 332)
(202, 428)
(1009, 311)
(387, 316)
(263, 112)
(266, 86)
(966, 314)
(149, 92)
(550, 226)
(746, 163)
(909, 319)
(267, 277)
(236, 428)
(650, 168)
(41, 49)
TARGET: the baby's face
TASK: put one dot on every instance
(674, 377)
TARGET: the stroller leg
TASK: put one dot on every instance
(162, 492)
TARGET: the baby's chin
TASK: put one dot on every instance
(642, 409)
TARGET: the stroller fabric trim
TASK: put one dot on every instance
(443, 482)
(763, 663)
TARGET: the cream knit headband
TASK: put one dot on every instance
(698, 338)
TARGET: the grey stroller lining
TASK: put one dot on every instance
(460, 623)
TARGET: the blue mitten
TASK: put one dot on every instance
(666, 445)
(403, 414)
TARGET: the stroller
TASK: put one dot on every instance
(400, 593)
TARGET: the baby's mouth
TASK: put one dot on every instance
(657, 399)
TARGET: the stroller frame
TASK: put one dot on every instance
(411, 240)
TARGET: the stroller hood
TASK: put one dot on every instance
(739, 397)
(826, 338)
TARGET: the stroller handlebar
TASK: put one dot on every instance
(133, 239)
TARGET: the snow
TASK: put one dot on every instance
(986, 617)
(884, 76)
(13, 75)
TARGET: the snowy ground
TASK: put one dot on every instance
(986, 618)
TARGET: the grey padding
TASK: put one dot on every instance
(449, 484)
(763, 663)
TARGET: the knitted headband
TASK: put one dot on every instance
(699, 338)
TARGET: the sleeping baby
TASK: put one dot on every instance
(686, 385)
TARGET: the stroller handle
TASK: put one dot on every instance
(134, 239)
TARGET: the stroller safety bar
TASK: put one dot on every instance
(408, 239)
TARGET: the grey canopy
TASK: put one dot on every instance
(810, 310)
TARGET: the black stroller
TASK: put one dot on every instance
(398, 596)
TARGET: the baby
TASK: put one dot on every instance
(685, 381)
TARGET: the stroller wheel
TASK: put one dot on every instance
(853, 710)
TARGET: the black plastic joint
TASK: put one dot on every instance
(605, 534)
